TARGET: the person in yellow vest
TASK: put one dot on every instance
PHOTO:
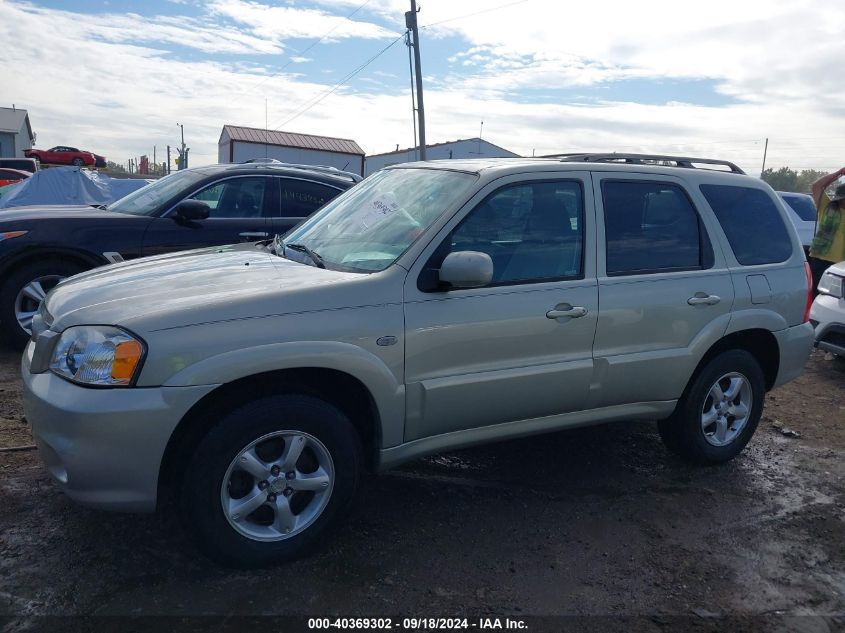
(828, 245)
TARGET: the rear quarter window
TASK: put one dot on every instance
(752, 223)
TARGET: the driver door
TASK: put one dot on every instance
(239, 211)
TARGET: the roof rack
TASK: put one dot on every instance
(646, 159)
(326, 169)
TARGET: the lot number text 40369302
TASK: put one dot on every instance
(416, 624)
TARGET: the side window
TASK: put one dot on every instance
(751, 222)
(300, 198)
(531, 231)
(651, 227)
(235, 198)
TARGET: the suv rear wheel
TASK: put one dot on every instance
(719, 412)
(267, 482)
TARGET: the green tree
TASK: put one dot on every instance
(783, 179)
(786, 179)
(806, 178)
(115, 167)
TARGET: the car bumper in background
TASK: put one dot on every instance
(104, 446)
(828, 317)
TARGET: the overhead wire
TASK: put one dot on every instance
(307, 105)
(310, 46)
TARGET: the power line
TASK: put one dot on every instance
(309, 47)
(304, 107)
(469, 15)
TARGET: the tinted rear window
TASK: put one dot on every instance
(802, 205)
(752, 223)
(650, 227)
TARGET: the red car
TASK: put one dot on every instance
(62, 155)
(10, 176)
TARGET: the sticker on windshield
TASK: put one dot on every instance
(380, 208)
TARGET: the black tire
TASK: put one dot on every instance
(200, 498)
(682, 432)
(78, 162)
(12, 334)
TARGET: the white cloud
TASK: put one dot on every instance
(111, 85)
(280, 22)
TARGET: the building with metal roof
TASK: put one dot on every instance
(15, 132)
(462, 148)
(239, 144)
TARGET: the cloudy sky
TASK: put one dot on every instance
(708, 78)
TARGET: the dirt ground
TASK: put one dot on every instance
(592, 522)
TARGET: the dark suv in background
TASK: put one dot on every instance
(203, 206)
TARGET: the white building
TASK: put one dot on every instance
(462, 148)
(239, 144)
(15, 132)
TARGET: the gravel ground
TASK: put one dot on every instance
(592, 522)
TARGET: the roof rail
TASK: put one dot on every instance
(646, 159)
(327, 169)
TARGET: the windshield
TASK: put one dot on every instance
(366, 228)
(146, 200)
(803, 206)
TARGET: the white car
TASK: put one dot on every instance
(802, 212)
(828, 312)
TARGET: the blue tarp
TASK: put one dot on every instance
(68, 185)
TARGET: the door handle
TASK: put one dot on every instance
(254, 235)
(574, 312)
(701, 298)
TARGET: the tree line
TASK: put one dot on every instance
(786, 179)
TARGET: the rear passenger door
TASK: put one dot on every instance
(296, 199)
(665, 292)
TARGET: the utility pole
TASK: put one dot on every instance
(765, 151)
(155, 164)
(183, 157)
(411, 23)
(168, 159)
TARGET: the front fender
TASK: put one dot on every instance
(387, 393)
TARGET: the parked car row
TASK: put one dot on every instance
(64, 155)
(433, 306)
(204, 206)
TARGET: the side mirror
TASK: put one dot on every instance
(466, 269)
(191, 210)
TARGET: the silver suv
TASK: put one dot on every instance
(433, 306)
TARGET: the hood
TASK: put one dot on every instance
(200, 286)
(53, 211)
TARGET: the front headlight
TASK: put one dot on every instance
(97, 355)
(831, 284)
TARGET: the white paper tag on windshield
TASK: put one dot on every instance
(380, 208)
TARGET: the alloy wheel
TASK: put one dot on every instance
(726, 409)
(277, 486)
(29, 299)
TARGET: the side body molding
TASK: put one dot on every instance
(388, 394)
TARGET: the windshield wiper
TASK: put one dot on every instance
(315, 257)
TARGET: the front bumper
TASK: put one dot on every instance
(104, 446)
(828, 315)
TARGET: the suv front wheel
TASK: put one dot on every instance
(719, 411)
(266, 482)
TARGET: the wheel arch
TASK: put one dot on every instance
(30, 255)
(339, 388)
(758, 342)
